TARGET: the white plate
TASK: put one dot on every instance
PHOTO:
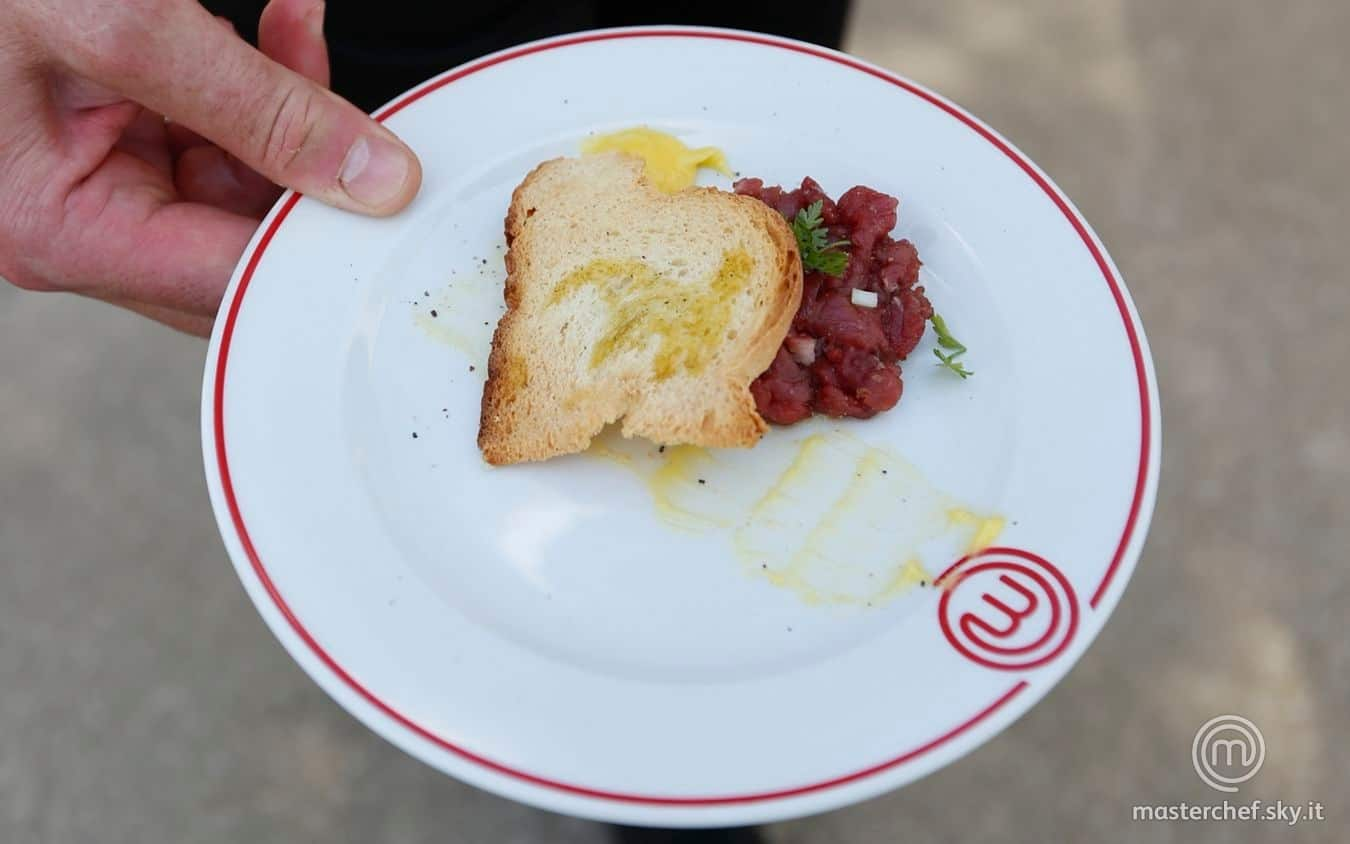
(603, 634)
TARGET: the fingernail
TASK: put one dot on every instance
(314, 18)
(374, 172)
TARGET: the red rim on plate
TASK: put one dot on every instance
(961, 722)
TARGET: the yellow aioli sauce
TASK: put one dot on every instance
(834, 521)
(676, 472)
(689, 320)
(461, 314)
(671, 166)
(987, 528)
(845, 491)
(443, 332)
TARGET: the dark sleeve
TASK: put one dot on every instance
(378, 49)
(818, 21)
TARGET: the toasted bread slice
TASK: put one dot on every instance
(626, 303)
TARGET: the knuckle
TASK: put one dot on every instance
(21, 272)
(286, 129)
(24, 273)
(25, 281)
(22, 250)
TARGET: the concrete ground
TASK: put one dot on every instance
(142, 700)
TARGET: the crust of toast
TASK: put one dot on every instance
(541, 399)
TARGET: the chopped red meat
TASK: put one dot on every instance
(853, 369)
(784, 394)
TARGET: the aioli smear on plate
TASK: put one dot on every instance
(671, 166)
(827, 517)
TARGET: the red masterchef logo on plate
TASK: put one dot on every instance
(1008, 609)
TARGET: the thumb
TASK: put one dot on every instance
(172, 56)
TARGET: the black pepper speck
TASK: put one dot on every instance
(414, 435)
(433, 312)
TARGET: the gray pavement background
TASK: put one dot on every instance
(142, 700)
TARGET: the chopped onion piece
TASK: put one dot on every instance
(864, 298)
(802, 349)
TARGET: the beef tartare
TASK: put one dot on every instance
(861, 311)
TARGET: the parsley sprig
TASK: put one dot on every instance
(954, 347)
(820, 253)
(817, 252)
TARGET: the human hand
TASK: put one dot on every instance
(141, 141)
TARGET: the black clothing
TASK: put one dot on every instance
(379, 49)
